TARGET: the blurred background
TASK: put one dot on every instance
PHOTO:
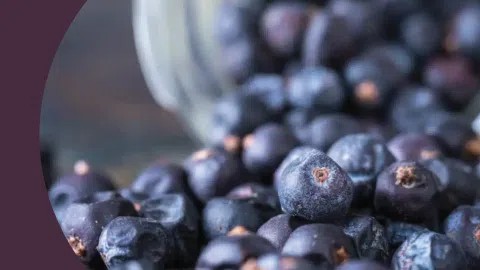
(96, 105)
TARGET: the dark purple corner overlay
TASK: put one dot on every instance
(31, 32)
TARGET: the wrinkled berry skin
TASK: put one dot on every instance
(328, 40)
(221, 215)
(369, 237)
(135, 238)
(230, 252)
(238, 114)
(179, 216)
(84, 220)
(266, 147)
(316, 87)
(457, 182)
(269, 89)
(463, 227)
(212, 172)
(278, 262)
(283, 26)
(409, 106)
(295, 153)
(362, 265)
(362, 157)
(256, 193)
(136, 265)
(406, 191)
(414, 146)
(398, 232)
(429, 250)
(315, 188)
(278, 229)
(160, 178)
(325, 130)
(72, 187)
(323, 244)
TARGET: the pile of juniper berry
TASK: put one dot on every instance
(344, 147)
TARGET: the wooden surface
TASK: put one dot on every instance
(96, 105)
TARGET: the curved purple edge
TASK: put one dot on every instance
(31, 32)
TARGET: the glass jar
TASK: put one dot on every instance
(177, 51)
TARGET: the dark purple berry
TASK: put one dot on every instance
(406, 191)
(221, 215)
(179, 216)
(455, 133)
(398, 232)
(325, 130)
(323, 244)
(256, 193)
(457, 184)
(160, 178)
(136, 198)
(414, 146)
(452, 77)
(296, 152)
(422, 34)
(463, 227)
(315, 188)
(82, 183)
(238, 114)
(212, 172)
(283, 25)
(395, 11)
(429, 250)
(400, 56)
(269, 89)
(362, 157)
(318, 88)
(373, 68)
(84, 220)
(230, 252)
(370, 238)
(329, 40)
(364, 19)
(407, 112)
(464, 36)
(134, 238)
(266, 147)
(278, 229)
(232, 23)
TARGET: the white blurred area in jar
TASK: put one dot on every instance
(180, 59)
(96, 105)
